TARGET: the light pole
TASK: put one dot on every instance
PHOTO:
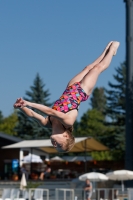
(129, 86)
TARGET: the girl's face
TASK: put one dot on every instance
(59, 141)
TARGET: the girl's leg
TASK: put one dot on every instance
(89, 80)
(80, 76)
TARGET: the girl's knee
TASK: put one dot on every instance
(87, 68)
(98, 68)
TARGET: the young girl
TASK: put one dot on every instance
(63, 114)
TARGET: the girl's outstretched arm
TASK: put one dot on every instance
(64, 119)
(30, 113)
(21, 103)
(67, 120)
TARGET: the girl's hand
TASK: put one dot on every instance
(20, 103)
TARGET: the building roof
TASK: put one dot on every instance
(82, 144)
(10, 137)
(35, 143)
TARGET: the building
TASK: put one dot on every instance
(10, 158)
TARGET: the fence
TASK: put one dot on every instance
(65, 194)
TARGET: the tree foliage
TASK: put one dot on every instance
(98, 99)
(26, 127)
(1, 117)
(91, 124)
(116, 110)
(7, 124)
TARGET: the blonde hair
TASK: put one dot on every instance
(70, 141)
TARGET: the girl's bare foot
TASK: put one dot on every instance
(109, 44)
(114, 47)
(106, 50)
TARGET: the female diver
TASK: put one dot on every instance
(63, 114)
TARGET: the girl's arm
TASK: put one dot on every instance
(39, 118)
(64, 119)
(21, 103)
(30, 113)
(67, 120)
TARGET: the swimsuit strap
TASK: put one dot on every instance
(64, 126)
(51, 122)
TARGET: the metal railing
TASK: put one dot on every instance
(38, 193)
(71, 194)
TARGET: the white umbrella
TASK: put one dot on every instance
(93, 176)
(56, 158)
(23, 182)
(120, 175)
(32, 158)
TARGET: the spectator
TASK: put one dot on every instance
(45, 174)
(24, 171)
(88, 189)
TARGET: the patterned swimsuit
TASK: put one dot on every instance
(70, 98)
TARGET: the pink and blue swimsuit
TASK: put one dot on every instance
(71, 98)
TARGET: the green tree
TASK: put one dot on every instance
(99, 103)
(116, 110)
(1, 117)
(98, 99)
(26, 127)
(75, 129)
(102, 155)
(8, 124)
(92, 124)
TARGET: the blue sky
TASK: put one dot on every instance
(56, 39)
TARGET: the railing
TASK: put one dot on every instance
(38, 193)
(68, 194)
